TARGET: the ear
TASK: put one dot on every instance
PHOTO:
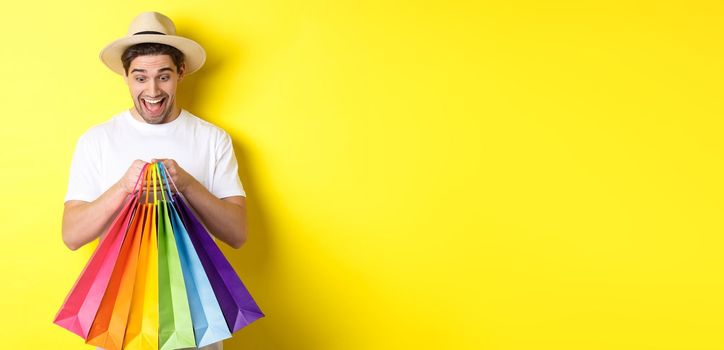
(181, 71)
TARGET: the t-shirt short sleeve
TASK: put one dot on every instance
(84, 178)
(225, 181)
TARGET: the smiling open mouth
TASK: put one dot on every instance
(153, 106)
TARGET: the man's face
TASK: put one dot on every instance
(152, 81)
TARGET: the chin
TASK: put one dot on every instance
(155, 120)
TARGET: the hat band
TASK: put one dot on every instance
(148, 32)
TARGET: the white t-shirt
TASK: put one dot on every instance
(104, 153)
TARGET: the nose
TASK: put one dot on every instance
(154, 90)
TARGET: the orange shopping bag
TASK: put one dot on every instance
(143, 324)
(109, 326)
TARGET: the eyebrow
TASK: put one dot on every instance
(164, 69)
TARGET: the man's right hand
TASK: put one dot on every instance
(129, 179)
(85, 221)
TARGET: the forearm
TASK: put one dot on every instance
(85, 221)
(225, 220)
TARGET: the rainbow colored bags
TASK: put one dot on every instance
(157, 280)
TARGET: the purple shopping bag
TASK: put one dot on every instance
(237, 305)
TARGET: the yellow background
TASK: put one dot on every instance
(420, 175)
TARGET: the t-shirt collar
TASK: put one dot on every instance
(154, 127)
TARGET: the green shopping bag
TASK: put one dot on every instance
(176, 327)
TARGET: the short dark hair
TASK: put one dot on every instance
(151, 49)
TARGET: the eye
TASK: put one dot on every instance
(140, 79)
(165, 78)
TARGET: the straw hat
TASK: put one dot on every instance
(153, 27)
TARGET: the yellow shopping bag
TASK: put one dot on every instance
(143, 323)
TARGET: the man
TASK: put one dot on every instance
(198, 155)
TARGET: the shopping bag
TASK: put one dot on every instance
(209, 323)
(236, 303)
(176, 329)
(157, 280)
(81, 305)
(109, 326)
(143, 322)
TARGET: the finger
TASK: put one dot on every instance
(138, 163)
(169, 168)
(166, 163)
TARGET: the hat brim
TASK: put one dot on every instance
(194, 54)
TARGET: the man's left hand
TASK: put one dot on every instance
(180, 177)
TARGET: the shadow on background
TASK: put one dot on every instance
(277, 330)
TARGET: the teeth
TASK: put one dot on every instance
(153, 101)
